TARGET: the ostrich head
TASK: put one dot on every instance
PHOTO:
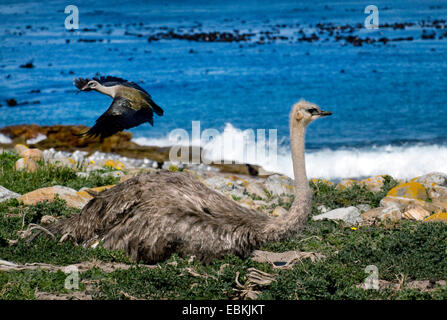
(304, 112)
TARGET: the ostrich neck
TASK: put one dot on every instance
(297, 148)
(279, 228)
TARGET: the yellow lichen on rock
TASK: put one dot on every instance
(72, 198)
(19, 148)
(410, 190)
(440, 216)
(33, 154)
(346, 183)
(373, 184)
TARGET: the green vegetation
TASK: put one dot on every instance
(403, 252)
(47, 175)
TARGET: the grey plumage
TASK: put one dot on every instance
(154, 215)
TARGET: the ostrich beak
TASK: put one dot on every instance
(84, 87)
(325, 113)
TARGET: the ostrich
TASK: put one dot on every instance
(154, 215)
(131, 105)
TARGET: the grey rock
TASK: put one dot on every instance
(225, 186)
(438, 193)
(363, 207)
(392, 213)
(6, 194)
(279, 212)
(278, 185)
(437, 178)
(350, 215)
(256, 189)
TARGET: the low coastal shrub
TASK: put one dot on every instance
(47, 175)
(403, 252)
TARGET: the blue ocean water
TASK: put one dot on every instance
(388, 100)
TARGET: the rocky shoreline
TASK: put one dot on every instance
(63, 138)
(422, 198)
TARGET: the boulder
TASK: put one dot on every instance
(440, 216)
(322, 208)
(246, 202)
(25, 164)
(19, 148)
(391, 213)
(259, 205)
(225, 186)
(6, 194)
(278, 185)
(363, 207)
(403, 203)
(372, 214)
(279, 212)
(432, 179)
(373, 184)
(410, 190)
(70, 195)
(350, 215)
(33, 154)
(438, 193)
(237, 168)
(415, 213)
(346, 183)
(256, 189)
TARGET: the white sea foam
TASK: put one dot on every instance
(398, 161)
(4, 139)
(38, 138)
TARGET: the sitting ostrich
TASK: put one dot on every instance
(154, 215)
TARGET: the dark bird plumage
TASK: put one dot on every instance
(131, 105)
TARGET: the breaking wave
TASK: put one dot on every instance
(401, 162)
(4, 139)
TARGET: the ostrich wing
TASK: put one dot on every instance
(118, 117)
(156, 214)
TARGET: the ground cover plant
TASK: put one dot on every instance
(403, 252)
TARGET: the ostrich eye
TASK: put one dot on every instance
(313, 111)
